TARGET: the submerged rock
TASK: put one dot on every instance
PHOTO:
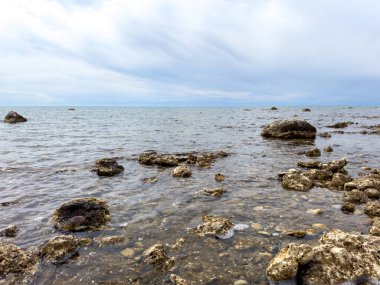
(16, 260)
(214, 226)
(296, 180)
(328, 149)
(289, 129)
(178, 280)
(348, 207)
(107, 167)
(156, 256)
(313, 152)
(9, 232)
(82, 214)
(337, 258)
(181, 171)
(219, 177)
(62, 247)
(324, 135)
(306, 110)
(109, 240)
(214, 192)
(13, 117)
(340, 125)
(296, 233)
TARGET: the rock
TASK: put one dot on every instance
(153, 158)
(13, 117)
(306, 110)
(214, 192)
(16, 260)
(128, 252)
(273, 109)
(348, 207)
(375, 228)
(296, 180)
(219, 177)
(256, 226)
(340, 125)
(71, 109)
(328, 149)
(355, 196)
(334, 166)
(289, 129)
(297, 233)
(110, 240)
(314, 211)
(372, 209)
(364, 182)
(156, 256)
(241, 282)
(372, 193)
(62, 247)
(107, 167)
(338, 257)
(214, 226)
(313, 152)
(324, 135)
(309, 164)
(181, 171)
(9, 232)
(150, 180)
(178, 280)
(82, 214)
(317, 174)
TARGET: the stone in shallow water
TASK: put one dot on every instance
(181, 171)
(109, 240)
(214, 192)
(337, 258)
(178, 280)
(214, 226)
(13, 117)
(348, 207)
(156, 256)
(82, 214)
(10, 231)
(297, 181)
(328, 149)
(107, 167)
(219, 177)
(289, 129)
(313, 152)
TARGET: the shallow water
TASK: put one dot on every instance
(47, 161)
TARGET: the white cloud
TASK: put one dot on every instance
(125, 51)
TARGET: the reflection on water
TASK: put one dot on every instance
(47, 161)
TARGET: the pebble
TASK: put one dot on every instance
(258, 208)
(240, 282)
(264, 233)
(314, 211)
(319, 226)
(256, 226)
(128, 252)
(275, 234)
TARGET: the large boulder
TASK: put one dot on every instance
(13, 117)
(82, 214)
(338, 257)
(107, 167)
(289, 129)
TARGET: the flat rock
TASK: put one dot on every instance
(289, 129)
(83, 214)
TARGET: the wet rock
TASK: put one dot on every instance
(348, 207)
(110, 240)
(219, 177)
(214, 192)
(156, 256)
(324, 135)
(315, 152)
(355, 196)
(71, 109)
(289, 129)
(8, 203)
(372, 209)
(296, 233)
(374, 230)
(314, 211)
(309, 164)
(338, 181)
(128, 252)
(328, 149)
(82, 214)
(340, 125)
(178, 280)
(273, 108)
(306, 110)
(256, 226)
(150, 180)
(13, 117)
(337, 258)
(9, 232)
(334, 166)
(372, 193)
(241, 282)
(62, 247)
(214, 226)
(364, 182)
(296, 180)
(107, 167)
(317, 174)
(181, 171)
(153, 158)
(16, 260)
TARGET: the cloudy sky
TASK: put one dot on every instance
(189, 52)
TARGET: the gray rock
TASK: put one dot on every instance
(290, 129)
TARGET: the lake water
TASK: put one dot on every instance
(47, 161)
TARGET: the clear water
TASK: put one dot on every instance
(47, 161)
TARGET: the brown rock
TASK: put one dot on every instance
(214, 192)
(214, 226)
(309, 164)
(328, 149)
(348, 207)
(156, 256)
(181, 171)
(16, 260)
(13, 117)
(355, 196)
(315, 152)
(296, 233)
(340, 125)
(107, 167)
(325, 135)
(372, 193)
(290, 129)
(296, 180)
(219, 177)
(9, 232)
(372, 209)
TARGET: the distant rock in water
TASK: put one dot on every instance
(13, 117)
(82, 214)
(71, 109)
(306, 110)
(340, 125)
(337, 258)
(273, 108)
(107, 167)
(289, 129)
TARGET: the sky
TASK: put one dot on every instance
(189, 52)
